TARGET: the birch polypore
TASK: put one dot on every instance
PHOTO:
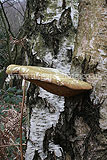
(50, 79)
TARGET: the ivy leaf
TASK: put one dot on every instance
(12, 90)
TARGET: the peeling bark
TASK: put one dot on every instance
(90, 63)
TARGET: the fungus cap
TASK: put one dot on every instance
(50, 79)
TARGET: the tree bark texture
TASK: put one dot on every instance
(67, 128)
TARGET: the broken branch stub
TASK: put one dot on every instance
(50, 79)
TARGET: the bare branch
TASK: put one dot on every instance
(12, 5)
(21, 6)
(9, 28)
(9, 145)
(7, 35)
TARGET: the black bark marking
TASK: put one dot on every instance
(69, 54)
(63, 4)
(36, 156)
(65, 133)
(48, 135)
(65, 21)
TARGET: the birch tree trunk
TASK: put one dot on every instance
(67, 128)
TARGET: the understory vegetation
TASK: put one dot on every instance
(10, 97)
(10, 104)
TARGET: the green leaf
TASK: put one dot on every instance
(10, 94)
(2, 127)
(13, 89)
(19, 92)
(7, 99)
(18, 140)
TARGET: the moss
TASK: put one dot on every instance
(39, 43)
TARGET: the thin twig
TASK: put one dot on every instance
(7, 21)
(7, 33)
(21, 118)
(9, 145)
(10, 3)
(21, 5)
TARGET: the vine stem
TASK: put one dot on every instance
(21, 118)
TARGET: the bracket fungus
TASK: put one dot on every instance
(50, 79)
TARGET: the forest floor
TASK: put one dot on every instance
(10, 104)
